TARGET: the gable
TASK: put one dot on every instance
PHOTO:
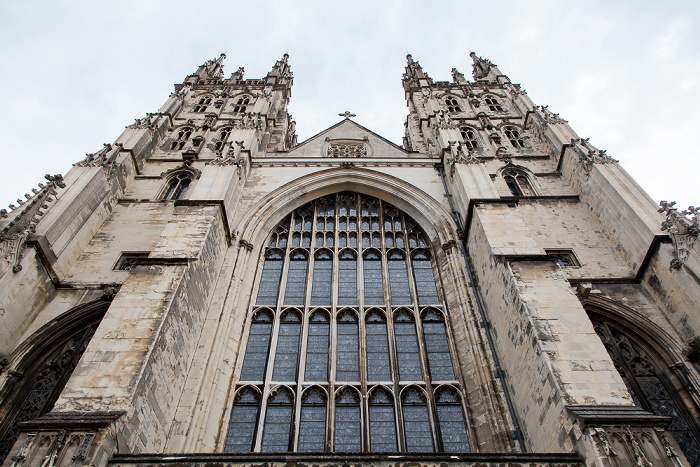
(347, 139)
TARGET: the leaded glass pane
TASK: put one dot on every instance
(347, 280)
(243, 420)
(317, 349)
(321, 290)
(452, 427)
(347, 423)
(425, 281)
(378, 368)
(285, 368)
(347, 368)
(296, 280)
(270, 280)
(398, 279)
(416, 423)
(312, 429)
(407, 348)
(438, 349)
(278, 422)
(374, 286)
(382, 424)
(257, 349)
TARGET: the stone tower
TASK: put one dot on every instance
(206, 290)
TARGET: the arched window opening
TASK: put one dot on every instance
(515, 137)
(493, 104)
(452, 105)
(278, 421)
(317, 347)
(241, 105)
(453, 430)
(518, 183)
(178, 185)
(202, 103)
(382, 425)
(439, 359)
(223, 137)
(348, 351)
(286, 356)
(348, 437)
(469, 137)
(416, 421)
(258, 347)
(46, 370)
(378, 367)
(241, 432)
(649, 386)
(312, 428)
(340, 286)
(180, 138)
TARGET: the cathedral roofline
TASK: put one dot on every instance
(307, 140)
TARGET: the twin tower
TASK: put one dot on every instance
(208, 290)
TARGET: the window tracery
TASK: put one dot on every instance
(179, 139)
(493, 104)
(223, 137)
(241, 104)
(202, 104)
(452, 105)
(518, 183)
(177, 186)
(469, 137)
(356, 329)
(515, 137)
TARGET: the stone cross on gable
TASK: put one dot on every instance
(347, 114)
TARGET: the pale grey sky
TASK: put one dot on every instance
(625, 74)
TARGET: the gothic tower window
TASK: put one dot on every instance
(241, 104)
(493, 104)
(180, 138)
(469, 137)
(177, 186)
(518, 183)
(452, 105)
(357, 329)
(202, 103)
(650, 386)
(223, 137)
(515, 137)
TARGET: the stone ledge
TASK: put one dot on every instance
(617, 415)
(73, 419)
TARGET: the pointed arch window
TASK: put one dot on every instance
(493, 104)
(650, 386)
(452, 105)
(241, 104)
(223, 137)
(348, 294)
(312, 427)
(180, 137)
(518, 183)
(177, 186)
(202, 104)
(278, 421)
(241, 432)
(382, 422)
(453, 431)
(515, 137)
(469, 137)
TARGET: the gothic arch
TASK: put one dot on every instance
(433, 218)
(41, 365)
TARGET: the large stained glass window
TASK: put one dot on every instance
(349, 345)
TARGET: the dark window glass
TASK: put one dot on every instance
(451, 418)
(317, 348)
(285, 368)
(439, 359)
(270, 280)
(398, 279)
(407, 348)
(296, 280)
(347, 367)
(312, 429)
(243, 420)
(382, 425)
(321, 290)
(178, 187)
(374, 286)
(278, 422)
(378, 368)
(258, 346)
(425, 281)
(416, 422)
(347, 280)
(347, 422)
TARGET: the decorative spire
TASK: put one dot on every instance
(457, 77)
(414, 72)
(215, 68)
(281, 69)
(481, 66)
(684, 228)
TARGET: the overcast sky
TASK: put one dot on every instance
(624, 74)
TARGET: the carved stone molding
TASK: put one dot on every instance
(460, 154)
(514, 89)
(590, 155)
(684, 228)
(248, 121)
(346, 148)
(15, 233)
(105, 157)
(232, 157)
(549, 116)
(481, 66)
(444, 120)
(148, 122)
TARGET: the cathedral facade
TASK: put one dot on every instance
(207, 290)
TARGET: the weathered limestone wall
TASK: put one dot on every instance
(546, 343)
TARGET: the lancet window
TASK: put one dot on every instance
(349, 346)
(469, 137)
(223, 137)
(180, 138)
(493, 104)
(518, 183)
(515, 137)
(241, 104)
(202, 104)
(452, 105)
(177, 186)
